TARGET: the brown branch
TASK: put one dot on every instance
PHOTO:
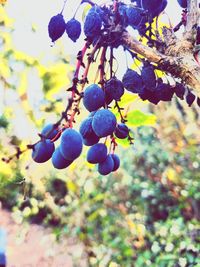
(192, 20)
(169, 36)
(180, 65)
(145, 51)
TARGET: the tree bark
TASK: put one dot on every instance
(177, 58)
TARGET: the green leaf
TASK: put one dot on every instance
(138, 118)
(127, 98)
(128, 252)
(85, 11)
(123, 142)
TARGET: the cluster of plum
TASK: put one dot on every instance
(103, 27)
(139, 14)
(71, 146)
(100, 19)
(100, 123)
(153, 89)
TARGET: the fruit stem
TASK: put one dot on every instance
(83, 81)
(119, 109)
(64, 4)
(102, 66)
(113, 144)
(18, 153)
(111, 62)
(76, 11)
(56, 136)
(80, 57)
(89, 61)
(115, 5)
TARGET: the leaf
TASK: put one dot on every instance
(5, 169)
(85, 11)
(7, 22)
(92, 217)
(71, 186)
(173, 176)
(159, 73)
(54, 78)
(28, 60)
(168, 257)
(22, 91)
(138, 118)
(127, 98)
(123, 142)
(22, 84)
(5, 70)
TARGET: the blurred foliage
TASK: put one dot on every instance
(146, 214)
(3, 122)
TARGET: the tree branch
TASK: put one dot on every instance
(145, 51)
(183, 66)
(192, 21)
